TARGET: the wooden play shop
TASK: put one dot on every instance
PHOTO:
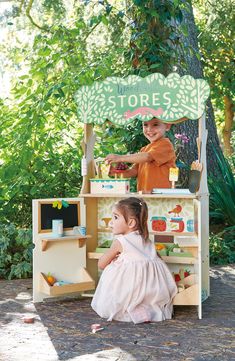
(71, 234)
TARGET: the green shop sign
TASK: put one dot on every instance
(121, 100)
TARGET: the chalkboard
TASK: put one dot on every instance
(70, 216)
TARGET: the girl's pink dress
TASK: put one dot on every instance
(137, 286)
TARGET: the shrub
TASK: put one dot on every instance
(222, 195)
(15, 252)
(222, 214)
(222, 247)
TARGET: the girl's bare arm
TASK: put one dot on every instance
(112, 253)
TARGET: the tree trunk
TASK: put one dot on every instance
(227, 131)
(190, 128)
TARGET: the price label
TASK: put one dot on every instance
(174, 174)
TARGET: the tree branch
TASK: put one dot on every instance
(28, 8)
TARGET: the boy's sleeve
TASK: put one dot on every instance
(162, 152)
(135, 166)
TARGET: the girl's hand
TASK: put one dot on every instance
(117, 256)
(110, 255)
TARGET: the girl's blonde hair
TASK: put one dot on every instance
(136, 208)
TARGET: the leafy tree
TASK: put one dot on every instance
(40, 132)
(164, 39)
(216, 24)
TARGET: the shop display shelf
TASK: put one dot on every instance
(190, 295)
(85, 283)
(81, 240)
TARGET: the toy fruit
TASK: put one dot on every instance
(50, 279)
(177, 277)
(121, 166)
(181, 275)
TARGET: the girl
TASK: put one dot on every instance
(136, 285)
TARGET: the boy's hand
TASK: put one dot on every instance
(111, 170)
(112, 158)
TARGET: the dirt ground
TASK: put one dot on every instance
(62, 329)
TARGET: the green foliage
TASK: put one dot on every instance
(39, 130)
(155, 43)
(55, 7)
(15, 252)
(222, 247)
(231, 158)
(222, 195)
(222, 215)
(216, 25)
(38, 160)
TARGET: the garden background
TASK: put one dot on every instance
(51, 48)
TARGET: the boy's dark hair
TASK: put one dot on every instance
(136, 208)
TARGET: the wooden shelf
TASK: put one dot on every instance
(189, 296)
(143, 195)
(86, 283)
(105, 229)
(94, 255)
(81, 240)
(167, 259)
(179, 260)
(187, 245)
(189, 234)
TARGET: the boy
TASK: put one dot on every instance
(152, 163)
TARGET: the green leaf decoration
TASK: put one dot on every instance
(122, 100)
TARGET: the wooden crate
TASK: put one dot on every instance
(189, 296)
(86, 283)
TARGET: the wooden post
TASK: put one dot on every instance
(202, 135)
(88, 151)
(203, 194)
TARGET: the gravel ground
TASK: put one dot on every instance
(62, 328)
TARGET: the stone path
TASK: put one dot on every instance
(61, 330)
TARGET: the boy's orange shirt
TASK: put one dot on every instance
(155, 174)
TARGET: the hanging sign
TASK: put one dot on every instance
(122, 100)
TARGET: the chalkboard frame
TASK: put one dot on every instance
(48, 230)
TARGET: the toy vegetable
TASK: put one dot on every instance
(50, 279)
(160, 246)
